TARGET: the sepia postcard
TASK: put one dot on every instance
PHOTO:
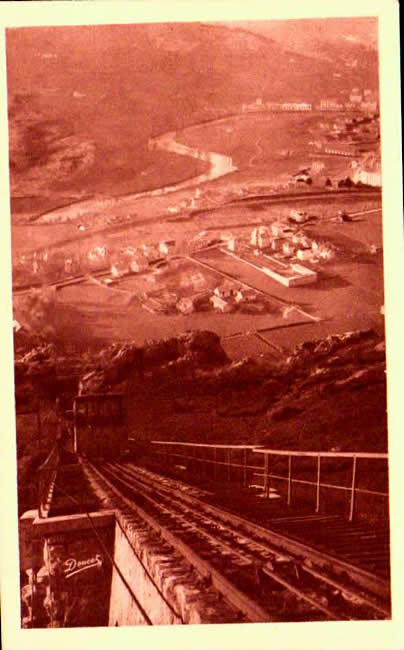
(202, 257)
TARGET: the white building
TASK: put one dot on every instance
(119, 269)
(261, 237)
(68, 265)
(220, 304)
(245, 295)
(166, 247)
(288, 249)
(229, 239)
(356, 96)
(150, 252)
(304, 254)
(299, 216)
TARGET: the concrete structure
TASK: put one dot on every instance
(290, 276)
(296, 276)
(368, 171)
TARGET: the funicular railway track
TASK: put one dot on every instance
(253, 568)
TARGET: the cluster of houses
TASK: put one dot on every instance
(276, 107)
(44, 265)
(350, 137)
(288, 242)
(278, 251)
(139, 259)
(225, 297)
(364, 101)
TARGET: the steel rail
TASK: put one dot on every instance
(249, 608)
(374, 585)
(244, 555)
(192, 500)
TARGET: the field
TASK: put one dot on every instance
(118, 312)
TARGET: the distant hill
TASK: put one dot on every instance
(306, 35)
(104, 90)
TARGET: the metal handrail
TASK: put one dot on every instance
(264, 470)
(329, 454)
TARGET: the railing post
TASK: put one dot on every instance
(228, 464)
(214, 463)
(266, 486)
(289, 479)
(318, 483)
(245, 467)
(75, 441)
(39, 425)
(353, 486)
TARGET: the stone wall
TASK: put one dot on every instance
(123, 608)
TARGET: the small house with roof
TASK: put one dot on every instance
(166, 247)
(220, 304)
(225, 291)
(119, 268)
(138, 263)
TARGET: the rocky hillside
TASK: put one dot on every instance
(325, 394)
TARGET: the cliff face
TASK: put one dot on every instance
(325, 394)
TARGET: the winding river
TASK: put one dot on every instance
(219, 165)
